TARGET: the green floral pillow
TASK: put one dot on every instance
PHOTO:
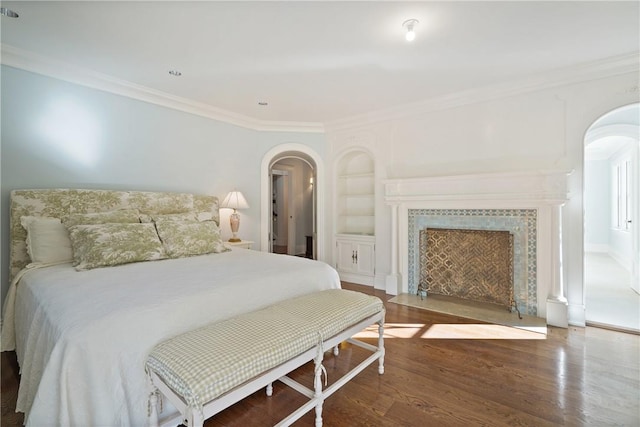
(188, 238)
(119, 216)
(187, 216)
(102, 245)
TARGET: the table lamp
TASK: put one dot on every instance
(234, 200)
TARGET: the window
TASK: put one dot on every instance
(622, 195)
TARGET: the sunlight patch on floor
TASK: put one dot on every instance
(483, 312)
(394, 330)
(481, 332)
(454, 331)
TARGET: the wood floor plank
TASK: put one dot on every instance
(575, 377)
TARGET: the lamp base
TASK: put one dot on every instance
(235, 239)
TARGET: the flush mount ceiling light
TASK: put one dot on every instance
(409, 26)
(8, 12)
(175, 73)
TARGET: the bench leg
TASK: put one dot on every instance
(317, 385)
(319, 414)
(270, 389)
(195, 418)
(381, 346)
(152, 409)
(336, 350)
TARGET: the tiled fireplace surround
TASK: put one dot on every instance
(526, 204)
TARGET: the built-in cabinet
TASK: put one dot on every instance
(355, 255)
(355, 217)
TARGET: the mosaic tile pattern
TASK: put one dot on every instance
(520, 222)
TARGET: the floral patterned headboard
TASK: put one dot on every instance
(59, 203)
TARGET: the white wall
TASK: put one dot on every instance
(541, 130)
(597, 208)
(600, 235)
(58, 134)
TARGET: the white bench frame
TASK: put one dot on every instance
(316, 397)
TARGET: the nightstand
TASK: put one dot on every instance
(246, 244)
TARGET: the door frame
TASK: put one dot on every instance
(316, 163)
(627, 131)
(288, 191)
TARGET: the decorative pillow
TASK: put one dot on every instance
(47, 239)
(187, 238)
(205, 216)
(187, 216)
(101, 245)
(119, 216)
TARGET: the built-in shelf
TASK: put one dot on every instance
(355, 240)
(357, 175)
(364, 216)
(355, 194)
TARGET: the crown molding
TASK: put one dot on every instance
(29, 61)
(570, 75)
(40, 64)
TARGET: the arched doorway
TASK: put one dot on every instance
(611, 232)
(293, 202)
(285, 159)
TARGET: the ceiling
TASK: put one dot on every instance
(319, 62)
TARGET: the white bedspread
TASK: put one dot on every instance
(83, 337)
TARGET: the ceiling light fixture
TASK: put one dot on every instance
(175, 73)
(8, 12)
(409, 26)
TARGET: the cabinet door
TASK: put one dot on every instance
(366, 258)
(346, 256)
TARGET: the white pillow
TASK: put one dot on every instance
(47, 239)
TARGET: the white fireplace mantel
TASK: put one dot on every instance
(549, 186)
(545, 191)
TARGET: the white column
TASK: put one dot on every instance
(403, 248)
(557, 305)
(392, 280)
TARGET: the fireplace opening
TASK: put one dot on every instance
(475, 265)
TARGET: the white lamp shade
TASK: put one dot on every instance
(234, 200)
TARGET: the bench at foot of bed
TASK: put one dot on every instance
(204, 371)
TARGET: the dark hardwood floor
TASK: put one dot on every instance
(575, 377)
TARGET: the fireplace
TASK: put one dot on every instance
(526, 204)
(519, 224)
(475, 265)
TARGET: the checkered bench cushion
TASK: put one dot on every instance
(203, 364)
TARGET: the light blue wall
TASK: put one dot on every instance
(57, 134)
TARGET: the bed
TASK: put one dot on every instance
(82, 337)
